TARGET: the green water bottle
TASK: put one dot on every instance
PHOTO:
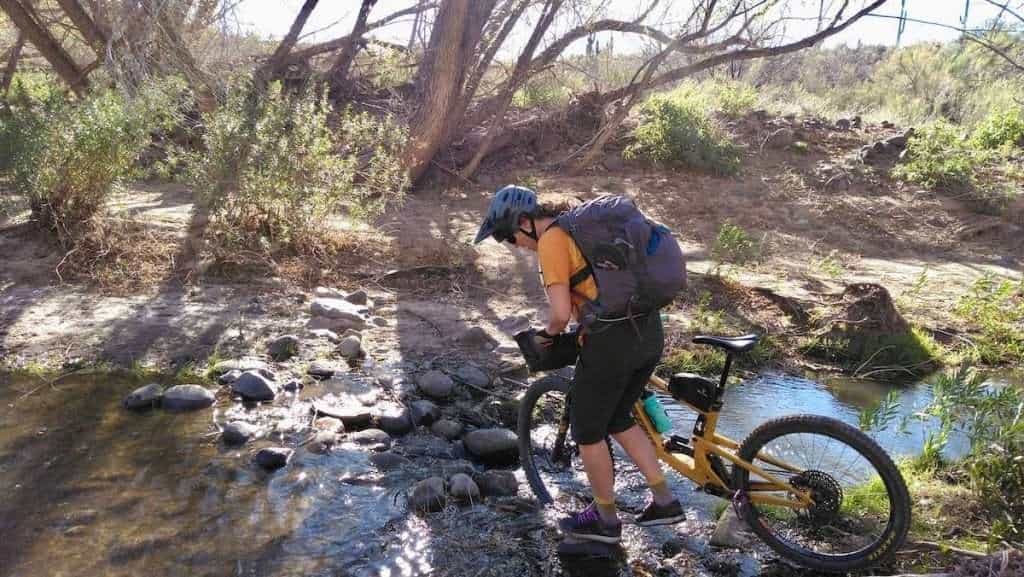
(656, 413)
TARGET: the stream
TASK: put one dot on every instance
(92, 489)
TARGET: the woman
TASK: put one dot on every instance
(616, 360)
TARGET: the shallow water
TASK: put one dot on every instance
(91, 489)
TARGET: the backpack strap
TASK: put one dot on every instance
(581, 275)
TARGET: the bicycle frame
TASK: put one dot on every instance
(697, 465)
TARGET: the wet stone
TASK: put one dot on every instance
(424, 412)
(323, 441)
(372, 439)
(463, 489)
(428, 495)
(447, 429)
(283, 348)
(272, 458)
(473, 375)
(387, 461)
(325, 369)
(243, 365)
(428, 446)
(144, 398)
(396, 422)
(252, 386)
(229, 377)
(380, 321)
(237, 433)
(496, 446)
(436, 384)
(350, 347)
(329, 424)
(353, 416)
(496, 483)
(292, 385)
(187, 398)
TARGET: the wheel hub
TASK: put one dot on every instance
(825, 491)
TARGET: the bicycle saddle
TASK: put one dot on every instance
(732, 344)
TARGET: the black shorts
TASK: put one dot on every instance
(614, 365)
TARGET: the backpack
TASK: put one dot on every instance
(636, 263)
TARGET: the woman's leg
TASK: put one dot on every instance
(597, 463)
(639, 448)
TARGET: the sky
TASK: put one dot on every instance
(333, 18)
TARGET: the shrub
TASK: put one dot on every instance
(996, 308)
(735, 99)
(275, 169)
(676, 131)
(1000, 129)
(938, 156)
(70, 156)
(733, 245)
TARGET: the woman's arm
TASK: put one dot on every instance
(560, 308)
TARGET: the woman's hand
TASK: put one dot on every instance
(559, 308)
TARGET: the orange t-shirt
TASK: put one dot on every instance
(560, 258)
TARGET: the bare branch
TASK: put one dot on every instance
(967, 34)
(276, 60)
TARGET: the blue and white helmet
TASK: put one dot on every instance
(502, 219)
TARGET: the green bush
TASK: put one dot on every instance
(71, 155)
(1000, 129)
(274, 168)
(938, 156)
(676, 131)
(996, 308)
(735, 99)
(733, 245)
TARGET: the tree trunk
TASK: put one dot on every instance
(277, 60)
(12, 64)
(453, 41)
(47, 45)
(339, 72)
(182, 57)
(519, 75)
(85, 24)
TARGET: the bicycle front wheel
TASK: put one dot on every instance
(861, 508)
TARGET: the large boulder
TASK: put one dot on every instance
(283, 348)
(395, 421)
(436, 384)
(463, 489)
(252, 386)
(495, 446)
(428, 495)
(473, 375)
(498, 483)
(731, 531)
(144, 398)
(187, 398)
(351, 347)
(237, 433)
(271, 458)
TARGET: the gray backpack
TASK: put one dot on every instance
(637, 264)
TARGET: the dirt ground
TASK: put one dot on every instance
(821, 219)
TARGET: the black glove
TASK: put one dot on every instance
(544, 352)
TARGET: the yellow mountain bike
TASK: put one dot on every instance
(819, 492)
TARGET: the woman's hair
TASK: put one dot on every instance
(552, 204)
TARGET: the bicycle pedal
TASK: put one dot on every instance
(677, 444)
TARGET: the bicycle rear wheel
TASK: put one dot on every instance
(861, 511)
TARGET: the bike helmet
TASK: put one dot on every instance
(502, 219)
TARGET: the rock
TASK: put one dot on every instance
(396, 422)
(251, 386)
(292, 385)
(880, 147)
(476, 337)
(499, 446)
(613, 162)
(187, 398)
(350, 347)
(243, 365)
(352, 333)
(144, 398)
(463, 489)
(373, 439)
(424, 412)
(843, 124)
(781, 138)
(345, 313)
(909, 133)
(428, 446)
(436, 384)
(856, 122)
(731, 531)
(323, 441)
(329, 424)
(446, 428)
(886, 124)
(237, 433)
(899, 142)
(327, 292)
(271, 458)
(473, 375)
(353, 416)
(358, 297)
(380, 321)
(283, 348)
(428, 495)
(514, 324)
(498, 483)
(229, 377)
(672, 547)
(325, 369)
(326, 334)
(387, 461)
